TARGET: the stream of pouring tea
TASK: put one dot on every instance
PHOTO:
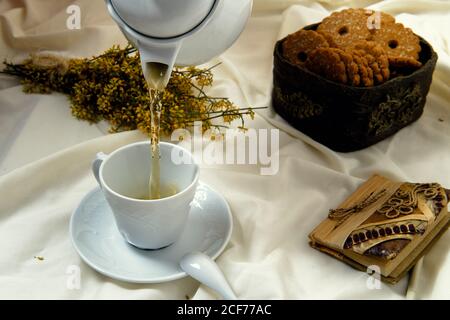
(155, 75)
(155, 80)
(154, 184)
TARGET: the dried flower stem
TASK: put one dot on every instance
(111, 87)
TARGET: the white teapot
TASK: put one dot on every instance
(179, 32)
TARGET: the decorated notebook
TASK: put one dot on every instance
(386, 224)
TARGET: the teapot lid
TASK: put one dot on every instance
(163, 18)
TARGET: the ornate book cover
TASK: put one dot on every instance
(386, 224)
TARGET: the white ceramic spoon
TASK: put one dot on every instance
(202, 268)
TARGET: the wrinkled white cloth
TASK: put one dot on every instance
(45, 157)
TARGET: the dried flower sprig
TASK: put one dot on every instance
(112, 87)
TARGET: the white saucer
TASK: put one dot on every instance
(99, 243)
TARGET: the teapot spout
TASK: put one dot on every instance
(158, 60)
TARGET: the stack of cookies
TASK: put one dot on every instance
(357, 47)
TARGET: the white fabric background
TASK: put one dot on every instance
(45, 157)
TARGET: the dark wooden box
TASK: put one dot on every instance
(346, 118)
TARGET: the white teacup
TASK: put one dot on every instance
(123, 176)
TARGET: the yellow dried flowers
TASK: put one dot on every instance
(111, 87)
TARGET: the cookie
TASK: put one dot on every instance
(373, 65)
(329, 39)
(365, 72)
(376, 57)
(298, 46)
(346, 67)
(351, 66)
(327, 62)
(397, 41)
(357, 47)
(351, 25)
(404, 62)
